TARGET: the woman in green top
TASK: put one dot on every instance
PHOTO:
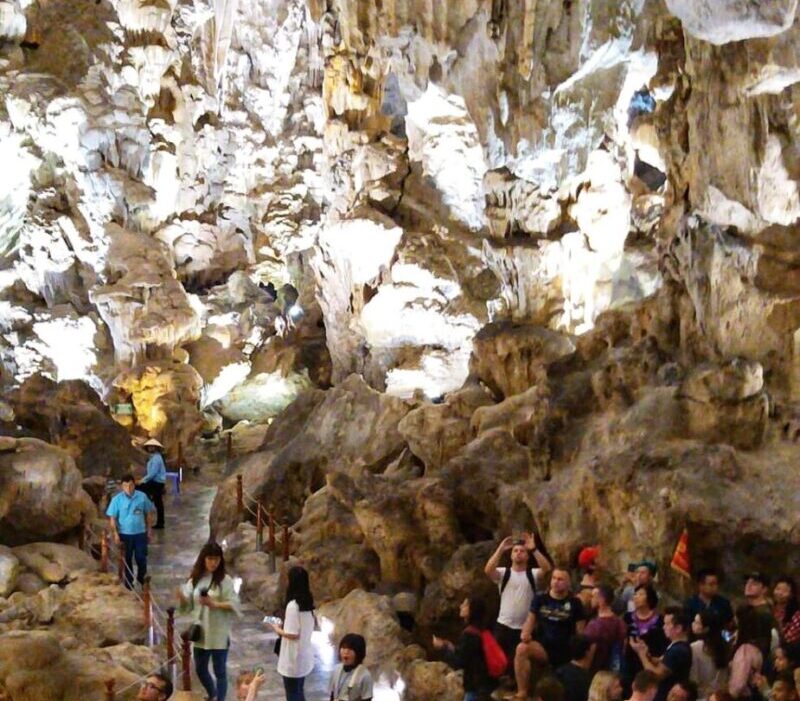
(211, 597)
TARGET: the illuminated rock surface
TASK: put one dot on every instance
(481, 264)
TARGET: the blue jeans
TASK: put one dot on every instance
(219, 660)
(135, 547)
(471, 696)
(293, 686)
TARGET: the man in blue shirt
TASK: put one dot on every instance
(153, 482)
(131, 515)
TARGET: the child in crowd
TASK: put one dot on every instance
(248, 684)
(351, 680)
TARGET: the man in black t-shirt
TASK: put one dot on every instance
(676, 662)
(552, 621)
(575, 676)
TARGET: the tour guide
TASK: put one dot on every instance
(131, 515)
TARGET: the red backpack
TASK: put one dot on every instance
(493, 654)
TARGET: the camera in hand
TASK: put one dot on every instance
(204, 592)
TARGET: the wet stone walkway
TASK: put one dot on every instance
(171, 556)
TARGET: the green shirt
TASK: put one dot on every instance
(216, 623)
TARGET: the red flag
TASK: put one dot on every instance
(680, 559)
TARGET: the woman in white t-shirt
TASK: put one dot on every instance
(296, 656)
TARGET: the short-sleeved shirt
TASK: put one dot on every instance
(608, 634)
(515, 599)
(156, 469)
(296, 658)
(556, 620)
(130, 512)
(355, 685)
(678, 659)
(718, 605)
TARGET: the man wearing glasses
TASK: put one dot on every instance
(156, 688)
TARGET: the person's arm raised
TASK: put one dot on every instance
(491, 564)
(541, 559)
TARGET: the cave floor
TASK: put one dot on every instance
(171, 556)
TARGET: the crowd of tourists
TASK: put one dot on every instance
(587, 639)
(209, 595)
(593, 639)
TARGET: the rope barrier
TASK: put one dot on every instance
(243, 496)
(157, 617)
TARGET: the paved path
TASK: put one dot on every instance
(170, 561)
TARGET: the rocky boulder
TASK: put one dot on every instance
(509, 358)
(372, 616)
(726, 404)
(70, 415)
(9, 570)
(41, 496)
(436, 432)
(331, 543)
(54, 563)
(523, 415)
(296, 455)
(489, 479)
(35, 666)
(98, 612)
(93, 611)
(410, 525)
(462, 576)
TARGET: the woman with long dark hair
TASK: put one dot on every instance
(787, 615)
(747, 660)
(211, 597)
(710, 655)
(467, 653)
(296, 655)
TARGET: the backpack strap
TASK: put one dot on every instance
(504, 582)
(507, 576)
(531, 578)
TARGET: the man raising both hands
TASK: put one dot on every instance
(517, 585)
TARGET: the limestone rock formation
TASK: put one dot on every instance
(70, 415)
(41, 495)
(9, 570)
(482, 264)
(166, 401)
(53, 562)
(35, 666)
(359, 421)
